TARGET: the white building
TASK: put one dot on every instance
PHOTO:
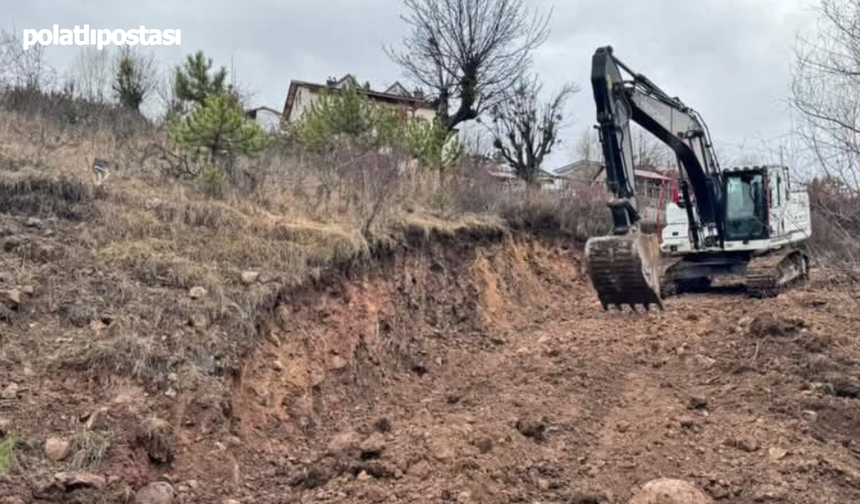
(269, 119)
(302, 94)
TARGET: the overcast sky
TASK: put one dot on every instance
(729, 59)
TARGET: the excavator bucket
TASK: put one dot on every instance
(625, 269)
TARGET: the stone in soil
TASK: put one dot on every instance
(344, 442)
(373, 446)
(250, 277)
(669, 491)
(197, 292)
(10, 392)
(697, 403)
(57, 449)
(533, 427)
(155, 493)
(745, 443)
(11, 297)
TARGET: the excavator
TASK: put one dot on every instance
(745, 221)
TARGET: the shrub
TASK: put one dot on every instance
(7, 454)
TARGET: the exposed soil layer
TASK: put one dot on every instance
(480, 372)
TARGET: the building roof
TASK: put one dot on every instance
(397, 89)
(383, 96)
(583, 169)
(252, 113)
(502, 170)
(586, 170)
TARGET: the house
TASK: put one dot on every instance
(649, 181)
(652, 184)
(301, 94)
(583, 170)
(502, 172)
(268, 118)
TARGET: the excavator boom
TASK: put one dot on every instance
(625, 266)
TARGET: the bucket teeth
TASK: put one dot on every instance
(625, 270)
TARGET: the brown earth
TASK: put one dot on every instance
(474, 370)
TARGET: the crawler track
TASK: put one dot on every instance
(770, 274)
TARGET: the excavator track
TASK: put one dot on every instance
(770, 274)
(625, 270)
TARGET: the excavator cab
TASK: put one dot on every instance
(746, 205)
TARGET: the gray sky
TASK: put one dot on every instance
(729, 59)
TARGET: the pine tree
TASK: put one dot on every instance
(218, 129)
(127, 84)
(338, 118)
(193, 81)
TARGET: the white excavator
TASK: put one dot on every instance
(745, 222)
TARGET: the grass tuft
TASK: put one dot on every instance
(91, 448)
(126, 355)
(7, 454)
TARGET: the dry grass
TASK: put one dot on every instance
(33, 193)
(90, 449)
(130, 250)
(126, 354)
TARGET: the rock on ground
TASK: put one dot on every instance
(155, 493)
(11, 297)
(197, 292)
(250, 277)
(11, 391)
(670, 491)
(57, 449)
(374, 445)
(534, 427)
(344, 442)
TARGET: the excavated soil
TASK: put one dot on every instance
(482, 372)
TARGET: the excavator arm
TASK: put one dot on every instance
(620, 101)
(625, 267)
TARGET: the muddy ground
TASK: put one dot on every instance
(472, 373)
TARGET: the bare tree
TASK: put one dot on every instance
(824, 90)
(824, 93)
(170, 104)
(649, 152)
(135, 76)
(468, 52)
(588, 147)
(23, 69)
(92, 72)
(525, 129)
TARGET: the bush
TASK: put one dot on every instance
(835, 224)
(7, 454)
